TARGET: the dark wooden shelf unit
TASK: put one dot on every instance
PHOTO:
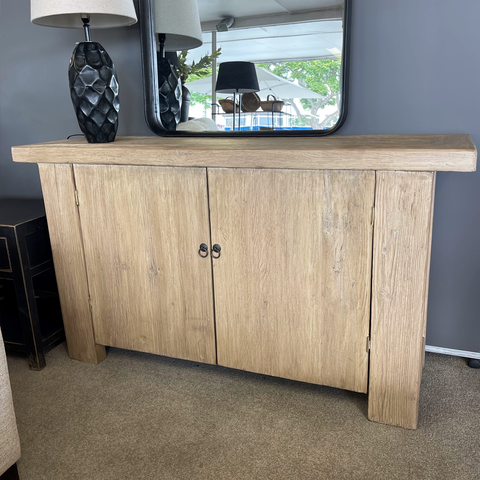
(30, 314)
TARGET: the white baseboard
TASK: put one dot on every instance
(451, 351)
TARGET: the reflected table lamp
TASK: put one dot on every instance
(237, 77)
(92, 75)
(177, 24)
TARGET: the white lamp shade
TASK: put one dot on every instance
(68, 13)
(180, 22)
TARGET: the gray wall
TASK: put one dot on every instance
(35, 101)
(415, 69)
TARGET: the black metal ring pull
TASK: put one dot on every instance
(216, 250)
(203, 251)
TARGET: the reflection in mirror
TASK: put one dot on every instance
(296, 48)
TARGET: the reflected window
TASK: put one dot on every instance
(299, 71)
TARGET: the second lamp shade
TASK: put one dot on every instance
(180, 22)
(237, 77)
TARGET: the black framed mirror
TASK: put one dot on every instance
(300, 54)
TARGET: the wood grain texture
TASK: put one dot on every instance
(363, 152)
(150, 290)
(68, 256)
(292, 285)
(403, 216)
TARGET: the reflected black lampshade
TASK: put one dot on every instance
(237, 77)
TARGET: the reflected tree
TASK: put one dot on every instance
(319, 76)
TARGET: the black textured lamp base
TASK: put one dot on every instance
(170, 94)
(94, 92)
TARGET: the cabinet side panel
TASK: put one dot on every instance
(150, 289)
(400, 274)
(292, 285)
(66, 239)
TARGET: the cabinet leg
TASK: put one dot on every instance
(401, 253)
(36, 362)
(30, 325)
(58, 188)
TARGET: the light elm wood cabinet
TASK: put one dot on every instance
(325, 248)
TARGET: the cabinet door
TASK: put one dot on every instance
(142, 227)
(292, 284)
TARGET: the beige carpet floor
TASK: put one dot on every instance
(139, 416)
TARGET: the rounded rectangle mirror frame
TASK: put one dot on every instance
(151, 87)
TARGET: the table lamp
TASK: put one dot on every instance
(92, 75)
(237, 77)
(177, 23)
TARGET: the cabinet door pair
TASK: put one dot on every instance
(289, 295)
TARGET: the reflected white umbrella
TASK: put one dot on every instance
(269, 83)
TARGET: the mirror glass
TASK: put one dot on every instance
(297, 48)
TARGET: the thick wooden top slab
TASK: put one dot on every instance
(363, 152)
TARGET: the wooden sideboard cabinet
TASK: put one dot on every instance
(303, 258)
